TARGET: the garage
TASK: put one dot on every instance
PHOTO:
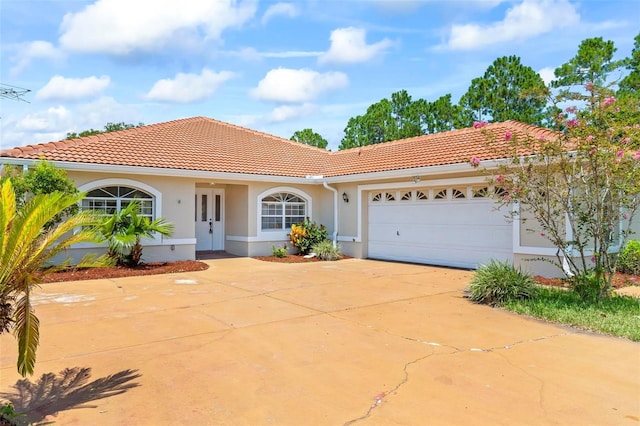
(449, 226)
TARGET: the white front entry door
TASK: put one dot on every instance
(209, 219)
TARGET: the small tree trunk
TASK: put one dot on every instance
(136, 253)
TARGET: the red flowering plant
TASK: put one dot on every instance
(582, 185)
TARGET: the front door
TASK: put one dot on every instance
(209, 219)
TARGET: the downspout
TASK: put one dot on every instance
(335, 213)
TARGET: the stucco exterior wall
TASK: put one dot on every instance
(237, 209)
(175, 204)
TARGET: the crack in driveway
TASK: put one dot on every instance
(379, 398)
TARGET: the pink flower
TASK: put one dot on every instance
(593, 259)
(541, 137)
(479, 124)
(625, 216)
(507, 136)
(619, 153)
(589, 86)
(608, 101)
(500, 178)
(572, 109)
(475, 161)
(637, 156)
(589, 138)
(572, 123)
(593, 151)
(626, 140)
(542, 234)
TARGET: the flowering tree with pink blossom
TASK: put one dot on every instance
(582, 186)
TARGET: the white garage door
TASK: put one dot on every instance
(452, 226)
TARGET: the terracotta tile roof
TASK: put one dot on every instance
(452, 147)
(197, 143)
(204, 144)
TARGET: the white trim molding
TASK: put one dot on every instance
(100, 183)
(269, 235)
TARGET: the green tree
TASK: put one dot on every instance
(309, 137)
(630, 85)
(440, 115)
(590, 68)
(582, 186)
(44, 178)
(26, 246)
(508, 90)
(386, 120)
(109, 127)
(124, 231)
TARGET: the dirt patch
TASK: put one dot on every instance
(619, 280)
(121, 271)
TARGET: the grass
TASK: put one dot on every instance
(617, 315)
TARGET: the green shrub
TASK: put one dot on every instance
(629, 261)
(305, 235)
(587, 286)
(8, 415)
(279, 251)
(326, 251)
(498, 282)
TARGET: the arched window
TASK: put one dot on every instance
(282, 209)
(111, 199)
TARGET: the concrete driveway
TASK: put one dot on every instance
(337, 343)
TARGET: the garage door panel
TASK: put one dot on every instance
(462, 257)
(441, 213)
(463, 233)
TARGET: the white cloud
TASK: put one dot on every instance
(288, 112)
(280, 9)
(27, 52)
(60, 88)
(547, 74)
(301, 85)
(120, 27)
(43, 121)
(54, 123)
(349, 45)
(525, 20)
(185, 88)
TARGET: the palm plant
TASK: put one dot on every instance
(114, 229)
(26, 245)
(140, 226)
(125, 229)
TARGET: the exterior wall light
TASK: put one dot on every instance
(345, 197)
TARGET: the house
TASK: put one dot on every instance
(230, 188)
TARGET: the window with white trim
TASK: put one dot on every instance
(111, 199)
(281, 210)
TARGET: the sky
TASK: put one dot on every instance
(272, 66)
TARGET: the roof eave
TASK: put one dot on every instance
(457, 168)
(155, 171)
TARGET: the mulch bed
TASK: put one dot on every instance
(154, 268)
(619, 280)
(292, 258)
